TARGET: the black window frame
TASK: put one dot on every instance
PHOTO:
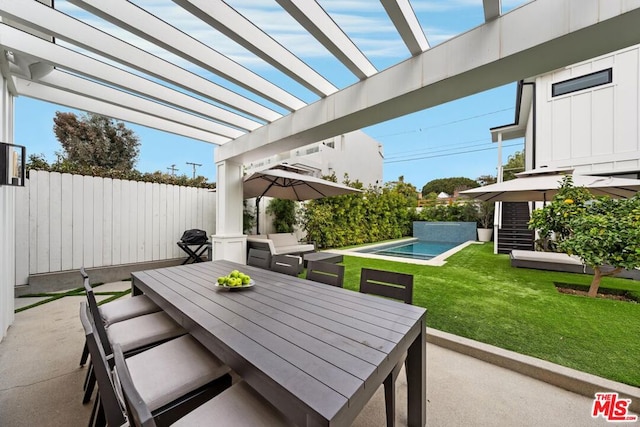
(559, 92)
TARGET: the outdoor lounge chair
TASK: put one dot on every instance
(196, 376)
(325, 272)
(557, 261)
(397, 286)
(238, 405)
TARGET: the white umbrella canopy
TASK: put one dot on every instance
(538, 187)
(288, 185)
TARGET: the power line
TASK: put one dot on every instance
(442, 124)
(449, 154)
(418, 151)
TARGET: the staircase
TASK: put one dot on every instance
(515, 233)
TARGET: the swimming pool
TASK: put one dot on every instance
(413, 250)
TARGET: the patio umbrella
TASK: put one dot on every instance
(287, 185)
(534, 186)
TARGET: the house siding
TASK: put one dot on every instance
(593, 130)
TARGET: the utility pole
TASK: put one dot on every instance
(194, 168)
(173, 169)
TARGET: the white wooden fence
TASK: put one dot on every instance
(67, 221)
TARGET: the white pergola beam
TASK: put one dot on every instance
(79, 102)
(151, 28)
(20, 42)
(63, 80)
(320, 25)
(229, 22)
(558, 33)
(492, 9)
(406, 22)
(48, 20)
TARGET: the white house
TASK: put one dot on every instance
(584, 116)
(355, 154)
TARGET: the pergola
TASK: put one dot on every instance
(52, 56)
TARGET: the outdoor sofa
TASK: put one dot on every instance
(279, 244)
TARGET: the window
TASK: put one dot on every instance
(583, 82)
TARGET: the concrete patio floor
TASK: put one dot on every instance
(41, 382)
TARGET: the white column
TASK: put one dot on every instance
(229, 242)
(7, 221)
(497, 216)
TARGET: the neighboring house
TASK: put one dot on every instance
(355, 154)
(584, 116)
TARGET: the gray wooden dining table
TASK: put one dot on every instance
(316, 352)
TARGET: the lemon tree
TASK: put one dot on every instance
(600, 231)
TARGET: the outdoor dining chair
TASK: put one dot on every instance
(287, 264)
(325, 272)
(259, 258)
(398, 286)
(238, 405)
(119, 310)
(195, 377)
(134, 334)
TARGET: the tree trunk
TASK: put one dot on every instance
(595, 283)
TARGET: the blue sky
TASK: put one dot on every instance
(449, 140)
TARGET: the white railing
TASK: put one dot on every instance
(66, 221)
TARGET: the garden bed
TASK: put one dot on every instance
(582, 290)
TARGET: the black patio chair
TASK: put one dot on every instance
(325, 272)
(398, 286)
(175, 377)
(238, 405)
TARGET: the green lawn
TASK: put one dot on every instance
(478, 295)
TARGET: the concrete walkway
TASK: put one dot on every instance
(41, 382)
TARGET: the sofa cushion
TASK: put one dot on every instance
(294, 249)
(283, 239)
(257, 237)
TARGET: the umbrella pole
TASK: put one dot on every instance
(258, 214)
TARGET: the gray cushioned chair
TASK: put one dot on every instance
(173, 377)
(238, 405)
(119, 310)
(134, 334)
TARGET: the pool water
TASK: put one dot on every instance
(415, 250)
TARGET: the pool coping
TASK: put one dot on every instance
(437, 261)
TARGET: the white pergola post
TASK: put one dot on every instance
(497, 213)
(229, 242)
(7, 218)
